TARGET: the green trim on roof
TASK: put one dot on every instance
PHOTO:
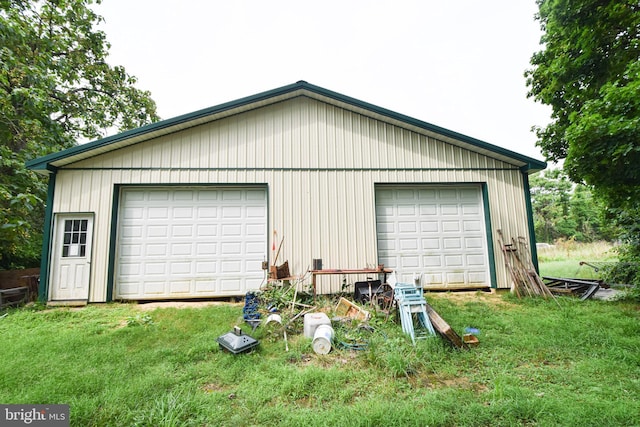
(43, 163)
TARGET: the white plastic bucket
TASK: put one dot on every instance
(322, 339)
(312, 321)
(274, 318)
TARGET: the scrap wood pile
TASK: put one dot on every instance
(583, 288)
(525, 279)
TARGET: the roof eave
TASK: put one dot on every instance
(46, 163)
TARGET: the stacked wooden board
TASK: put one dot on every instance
(525, 280)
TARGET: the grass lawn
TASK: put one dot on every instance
(563, 259)
(547, 363)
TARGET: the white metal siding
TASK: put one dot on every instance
(435, 235)
(320, 163)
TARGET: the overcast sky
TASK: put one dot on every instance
(458, 64)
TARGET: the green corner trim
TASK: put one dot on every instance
(45, 262)
(489, 231)
(530, 223)
(112, 242)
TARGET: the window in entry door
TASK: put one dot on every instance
(75, 238)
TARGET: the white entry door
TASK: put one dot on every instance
(71, 258)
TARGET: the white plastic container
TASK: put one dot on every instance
(312, 321)
(322, 339)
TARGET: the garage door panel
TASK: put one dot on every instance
(204, 249)
(475, 260)
(131, 231)
(154, 268)
(230, 248)
(386, 227)
(256, 212)
(155, 231)
(255, 230)
(434, 232)
(473, 242)
(232, 195)
(452, 243)
(131, 249)
(432, 279)
(156, 195)
(472, 226)
(183, 213)
(208, 230)
(129, 269)
(407, 210)
(409, 261)
(153, 288)
(430, 244)
(450, 226)
(133, 213)
(448, 194)
(428, 210)
(453, 261)
(477, 277)
(387, 245)
(456, 278)
(449, 210)
(202, 237)
(180, 287)
(128, 288)
(470, 210)
(208, 195)
(178, 231)
(254, 248)
(432, 261)
(205, 267)
(231, 212)
(407, 227)
(429, 227)
(230, 286)
(386, 211)
(205, 286)
(232, 230)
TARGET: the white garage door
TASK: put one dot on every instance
(434, 233)
(190, 242)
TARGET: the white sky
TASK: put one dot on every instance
(458, 64)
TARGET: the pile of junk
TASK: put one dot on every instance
(280, 309)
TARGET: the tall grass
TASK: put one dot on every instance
(564, 259)
(564, 363)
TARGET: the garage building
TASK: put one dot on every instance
(191, 207)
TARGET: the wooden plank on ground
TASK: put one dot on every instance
(444, 329)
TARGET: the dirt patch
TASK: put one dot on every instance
(148, 306)
(434, 381)
(462, 297)
(214, 387)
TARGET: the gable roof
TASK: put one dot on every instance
(52, 162)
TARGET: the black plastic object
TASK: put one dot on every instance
(361, 290)
(236, 342)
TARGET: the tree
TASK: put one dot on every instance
(562, 210)
(589, 73)
(56, 88)
(550, 195)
